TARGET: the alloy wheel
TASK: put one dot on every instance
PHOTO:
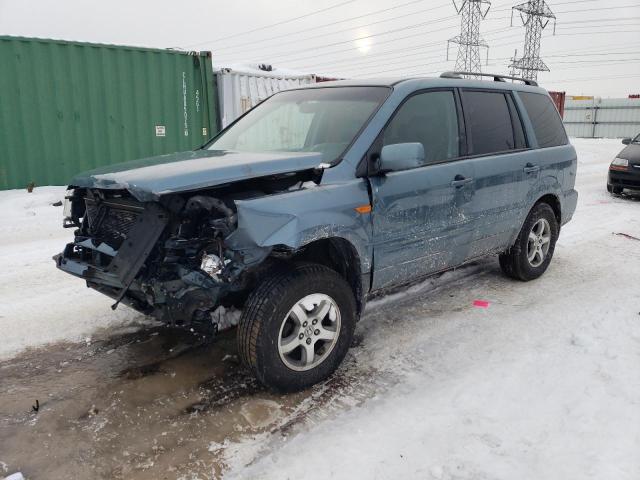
(309, 332)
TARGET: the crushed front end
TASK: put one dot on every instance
(167, 258)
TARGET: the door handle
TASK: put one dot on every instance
(530, 168)
(460, 181)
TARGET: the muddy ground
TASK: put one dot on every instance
(154, 404)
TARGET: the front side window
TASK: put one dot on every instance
(322, 120)
(545, 119)
(488, 122)
(430, 119)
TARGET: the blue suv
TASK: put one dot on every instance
(317, 198)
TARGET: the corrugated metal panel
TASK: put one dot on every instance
(66, 107)
(606, 118)
(240, 90)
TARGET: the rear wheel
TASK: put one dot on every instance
(297, 326)
(532, 252)
(614, 190)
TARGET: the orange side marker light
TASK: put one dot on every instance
(363, 209)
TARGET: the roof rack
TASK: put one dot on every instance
(496, 77)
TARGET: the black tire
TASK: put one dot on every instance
(515, 262)
(267, 308)
(614, 190)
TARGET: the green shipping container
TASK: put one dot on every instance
(66, 107)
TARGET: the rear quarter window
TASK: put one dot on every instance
(545, 119)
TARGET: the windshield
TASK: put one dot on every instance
(320, 120)
(637, 139)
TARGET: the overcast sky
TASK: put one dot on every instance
(595, 50)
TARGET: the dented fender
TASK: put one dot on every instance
(297, 218)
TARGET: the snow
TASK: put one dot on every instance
(15, 476)
(254, 70)
(544, 383)
(226, 318)
(38, 303)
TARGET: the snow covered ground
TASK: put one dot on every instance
(38, 303)
(542, 384)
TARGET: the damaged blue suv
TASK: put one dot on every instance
(320, 196)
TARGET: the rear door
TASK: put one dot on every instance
(421, 220)
(499, 154)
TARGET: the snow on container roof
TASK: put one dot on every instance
(254, 69)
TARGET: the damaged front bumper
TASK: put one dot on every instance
(99, 263)
(125, 275)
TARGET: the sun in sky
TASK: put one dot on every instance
(363, 42)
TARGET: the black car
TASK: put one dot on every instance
(624, 171)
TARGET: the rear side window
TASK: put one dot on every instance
(545, 119)
(488, 122)
(431, 119)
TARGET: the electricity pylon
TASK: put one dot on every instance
(535, 15)
(469, 41)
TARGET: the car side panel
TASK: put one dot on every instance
(297, 218)
(557, 172)
(421, 223)
(500, 200)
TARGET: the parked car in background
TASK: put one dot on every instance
(320, 196)
(624, 171)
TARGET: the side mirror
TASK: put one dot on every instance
(626, 141)
(401, 156)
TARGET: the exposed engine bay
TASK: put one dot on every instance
(169, 259)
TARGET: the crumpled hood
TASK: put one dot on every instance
(149, 178)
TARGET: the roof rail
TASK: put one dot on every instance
(496, 77)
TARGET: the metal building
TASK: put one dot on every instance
(602, 118)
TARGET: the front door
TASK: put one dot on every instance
(421, 221)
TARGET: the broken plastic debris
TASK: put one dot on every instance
(481, 303)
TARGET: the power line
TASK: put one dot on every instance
(338, 22)
(366, 37)
(368, 61)
(286, 55)
(374, 57)
(407, 70)
(420, 73)
(583, 79)
(363, 65)
(282, 22)
(404, 66)
(224, 49)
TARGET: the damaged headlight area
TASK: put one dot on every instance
(168, 259)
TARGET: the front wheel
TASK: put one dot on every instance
(297, 326)
(531, 255)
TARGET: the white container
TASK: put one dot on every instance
(602, 117)
(242, 87)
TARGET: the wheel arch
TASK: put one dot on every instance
(553, 201)
(341, 256)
